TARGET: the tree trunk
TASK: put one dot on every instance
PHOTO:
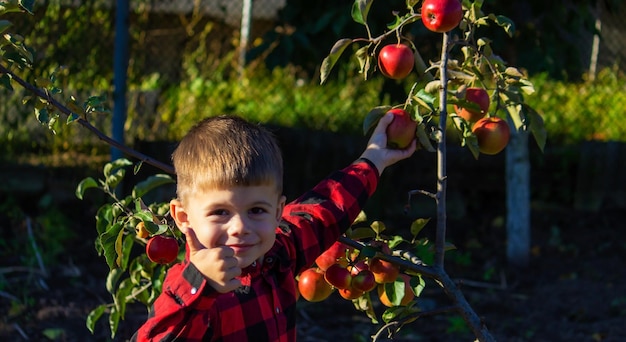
(518, 199)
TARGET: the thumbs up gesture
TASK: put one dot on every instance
(218, 264)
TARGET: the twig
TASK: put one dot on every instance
(8, 296)
(165, 167)
(29, 228)
(20, 331)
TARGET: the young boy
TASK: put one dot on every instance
(245, 246)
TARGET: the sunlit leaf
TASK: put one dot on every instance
(360, 10)
(113, 278)
(329, 62)
(151, 183)
(378, 227)
(507, 24)
(536, 126)
(94, 315)
(418, 225)
(85, 184)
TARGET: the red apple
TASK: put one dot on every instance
(162, 249)
(336, 253)
(441, 15)
(312, 286)
(395, 61)
(401, 131)
(478, 96)
(338, 276)
(364, 281)
(492, 134)
(384, 271)
(350, 293)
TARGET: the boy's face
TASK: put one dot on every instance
(243, 218)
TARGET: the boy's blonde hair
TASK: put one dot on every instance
(226, 151)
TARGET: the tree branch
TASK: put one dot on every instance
(83, 122)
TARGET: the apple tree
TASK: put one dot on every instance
(368, 264)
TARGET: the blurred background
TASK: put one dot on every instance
(178, 61)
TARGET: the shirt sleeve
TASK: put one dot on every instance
(181, 312)
(316, 219)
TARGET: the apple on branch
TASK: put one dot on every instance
(396, 61)
(492, 134)
(441, 15)
(478, 96)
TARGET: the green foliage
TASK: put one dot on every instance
(579, 111)
(132, 276)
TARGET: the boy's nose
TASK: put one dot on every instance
(237, 225)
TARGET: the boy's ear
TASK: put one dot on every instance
(281, 206)
(179, 215)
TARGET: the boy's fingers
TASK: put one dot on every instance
(192, 241)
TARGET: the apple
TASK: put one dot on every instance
(478, 96)
(401, 131)
(338, 276)
(162, 249)
(364, 281)
(384, 271)
(336, 253)
(350, 293)
(396, 61)
(312, 286)
(408, 292)
(492, 134)
(441, 15)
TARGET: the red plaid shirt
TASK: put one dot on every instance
(264, 308)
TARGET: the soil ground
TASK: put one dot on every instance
(573, 290)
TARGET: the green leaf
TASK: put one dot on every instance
(360, 10)
(113, 180)
(114, 165)
(127, 246)
(364, 59)
(114, 321)
(85, 184)
(112, 279)
(371, 119)
(368, 252)
(4, 24)
(94, 315)
(417, 284)
(425, 99)
(27, 5)
(119, 248)
(378, 227)
(395, 291)
(515, 112)
(418, 225)
(329, 62)
(150, 183)
(362, 233)
(108, 241)
(5, 81)
(536, 126)
(507, 24)
(423, 138)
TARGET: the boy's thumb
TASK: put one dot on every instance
(192, 241)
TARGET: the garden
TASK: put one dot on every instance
(74, 264)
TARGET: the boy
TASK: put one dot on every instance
(245, 246)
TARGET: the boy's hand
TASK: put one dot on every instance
(218, 265)
(377, 151)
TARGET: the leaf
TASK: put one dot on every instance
(329, 62)
(536, 126)
(360, 10)
(424, 139)
(114, 321)
(94, 315)
(150, 183)
(4, 24)
(119, 250)
(515, 112)
(5, 80)
(425, 99)
(507, 24)
(417, 284)
(127, 246)
(378, 227)
(368, 252)
(112, 279)
(418, 225)
(362, 233)
(108, 241)
(364, 59)
(372, 117)
(85, 184)
(114, 165)
(395, 291)
(113, 180)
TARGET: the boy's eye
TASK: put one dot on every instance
(219, 212)
(258, 210)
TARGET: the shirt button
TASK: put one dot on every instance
(269, 260)
(194, 290)
(277, 310)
